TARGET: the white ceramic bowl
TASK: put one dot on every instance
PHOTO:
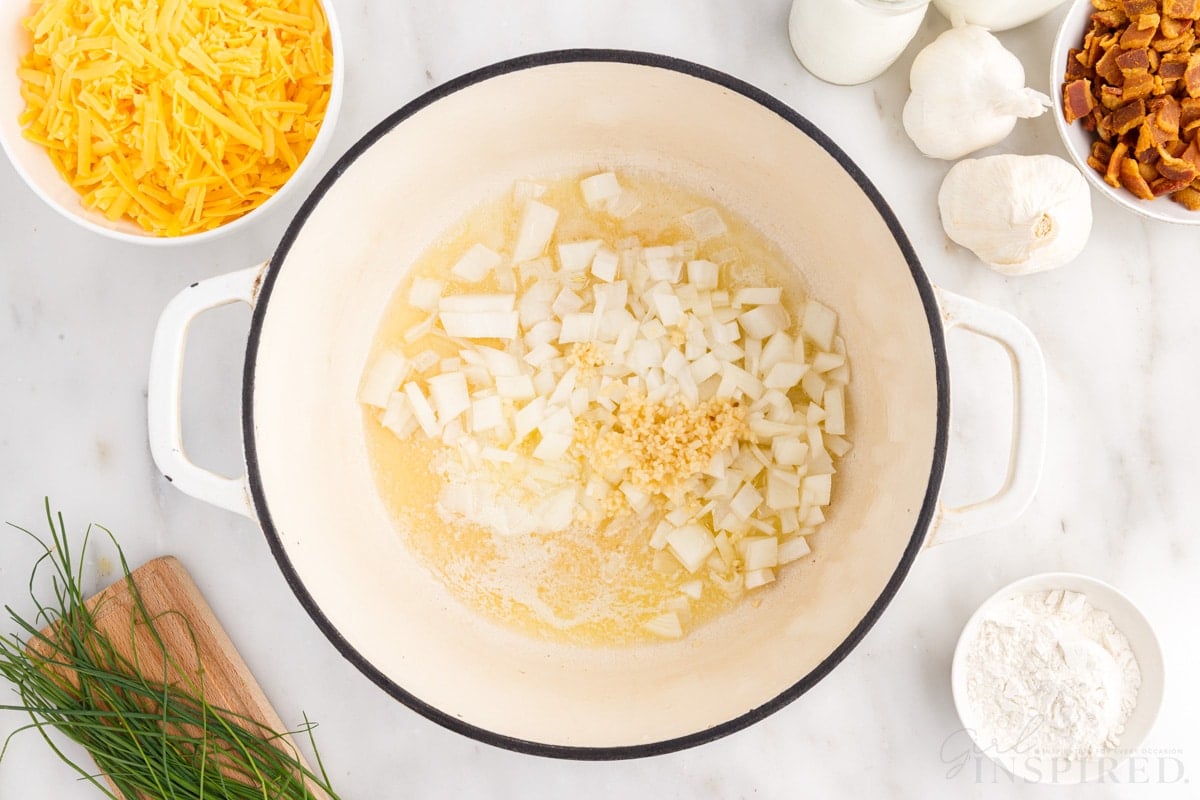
(1079, 142)
(33, 165)
(1128, 619)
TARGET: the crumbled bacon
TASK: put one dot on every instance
(1135, 84)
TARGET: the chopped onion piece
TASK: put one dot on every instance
(398, 418)
(836, 444)
(577, 327)
(476, 263)
(783, 490)
(604, 265)
(514, 387)
(792, 549)
(480, 324)
(668, 308)
(835, 411)
(425, 294)
(658, 539)
(746, 501)
(813, 384)
(759, 552)
(763, 321)
(691, 544)
(789, 451)
(487, 413)
(553, 446)
(542, 333)
(692, 589)
(527, 419)
(599, 190)
(757, 296)
(576, 256)
(817, 489)
(385, 375)
(567, 302)
(498, 362)
(449, 394)
(422, 410)
(537, 226)
(824, 362)
(820, 323)
(785, 375)
(703, 274)
(759, 577)
(706, 223)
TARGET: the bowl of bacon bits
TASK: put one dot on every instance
(161, 122)
(1127, 74)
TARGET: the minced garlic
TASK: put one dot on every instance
(661, 444)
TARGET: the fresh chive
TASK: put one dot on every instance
(154, 739)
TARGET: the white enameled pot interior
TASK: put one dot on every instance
(331, 286)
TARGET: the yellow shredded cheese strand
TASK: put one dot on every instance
(177, 114)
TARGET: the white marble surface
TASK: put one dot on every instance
(1118, 501)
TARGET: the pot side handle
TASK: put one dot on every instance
(165, 390)
(1028, 448)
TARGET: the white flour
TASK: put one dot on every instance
(1050, 675)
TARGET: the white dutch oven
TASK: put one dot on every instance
(317, 304)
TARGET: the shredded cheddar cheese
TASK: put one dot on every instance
(180, 115)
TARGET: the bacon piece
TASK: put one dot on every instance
(1128, 117)
(1108, 69)
(1188, 198)
(1191, 76)
(1113, 18)
(1131, 178)
(1129, 60)
(1137, 8)
(1077, 99)
(1181, 9)
(1173, 66)
(1161, 186)
(1183, 42)
(1192, 156)
(1140, 33)
(1166, 112)
(1075, 68)
(1172, 28)
(1176, 169)
(1189, 114)
(1138, 85)
(1112, 175)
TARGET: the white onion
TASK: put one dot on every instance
(536, 228)
(604, 265)
(820, 322)
(691, 544)
(706, 223)
(598, 190)
(475, 264)
(383, 377)
(577, 256)
(449, 394)
(480, 324)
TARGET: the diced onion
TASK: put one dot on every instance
(475, 264)
(536, 228)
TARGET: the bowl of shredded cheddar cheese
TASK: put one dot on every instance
(161, 121)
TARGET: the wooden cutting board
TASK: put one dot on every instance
(192, 635)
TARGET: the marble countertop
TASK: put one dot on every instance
(1117, 501)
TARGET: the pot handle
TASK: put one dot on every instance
(165, 390)
(1028, 424)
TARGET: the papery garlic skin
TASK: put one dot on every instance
(996, 15)
(1018, 214)
(967, 93)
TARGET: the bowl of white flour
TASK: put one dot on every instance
(1058, 678)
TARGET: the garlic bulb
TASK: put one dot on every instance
(994, 15)
(1019, 214)
(967, 94)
